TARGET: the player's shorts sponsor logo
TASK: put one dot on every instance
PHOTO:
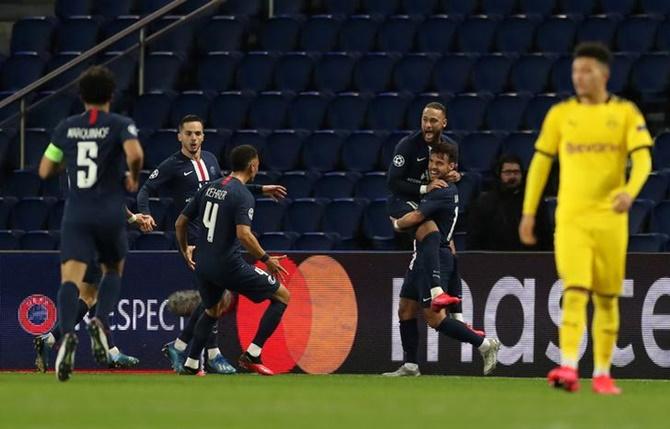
(398, 160)
(154, 174)
(37, 314)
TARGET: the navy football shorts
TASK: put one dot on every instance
(245, 279)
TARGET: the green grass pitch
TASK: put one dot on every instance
(129, 401)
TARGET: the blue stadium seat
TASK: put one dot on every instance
(343, 216)
(521, 144)
(221, 33)
(639, 215)
(419, 7)
(255, 70)
(159, 146)
(319, 33)
(490, 72)
(321, 150)
(636, 33)
(22, 184)
(10, 240)
(460, 7)
(505, 111)
(396, 34)
(372, 186)
(376, 222)
(152, 110)
(55, 187)
(254, 138)
(112, 8)
(655, 188)
(67, 77)
(388, 146)
(229, 110)
(538, 7)
(316, 241)
(162, 71)
(216, 142)
(56, 215)
(304, 215)
(268, 215)
(38, 240)
(468, 190)
(380, 7)
(537, 109)
(242, 7)
(20, 70)
(123, 68)
(650, 74)
(298, 184)
(266, 178)
(661, 158)
(343, 7)
(360, 151)
(556, 34)
(6, 112)
(437, 33)
(66, 8)
(659, 7)
(372, 72)
(33, 33)
(580, 7)
(51, 111)
(268, 110)
(358, 33)
(476, 33)
(498, 7)
(276, 241)
(660, 218)
(622, 64)
(347, 111)
(289, 7)
(190, 103)
(308, 110)
(78, 33)
(413, 72)
(599, 28)
(386, 111)
(515, 34)
(155, 240)
(479, 151)
(178, 39)
(294, 71)
(416, 106)
(216, 71)
(452, 73)
(531, 72)
(647, 243)
(115, 26)
(335, 184)
(283, 150)
(6, 205)
(622, 7)
(561, 74)
(663, 36)
(30, 214)
(333, 71)
(280, 33)
(37, 140)
(466, 111)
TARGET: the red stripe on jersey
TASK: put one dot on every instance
(93, 118)
(226, 180)
(203, 174)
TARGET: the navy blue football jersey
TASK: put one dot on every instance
(441, 205)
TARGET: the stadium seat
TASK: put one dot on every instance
(531, 72)
(620, 72)
(38, 240)
(479, 151)
(373, 72)
(647, 243)
(178, 39)
(162, 71)
(294, 71)
(468, 190)
(660, 221)
(335, 184)
(396, 34)
(343, 7)
(413, 72)
(376, 222)
(289, 7)
(347, 111)
(77, 33)
(221, 33)
(437, 33)
(21, 184)
(636, 33)
(55, 187)
(242, 7)
(6, 206)
(216, 72)
(333, 71)
(661, 158)
(663, 36)
(189, 103)
(56, 215)
(304, 215)
(255, 70)
(515, 34)
(537, 109)
(51, 111)
(268, 215)
(358, 33)
(268, 110)
(489, 73)
(598, 28)
(659, 7)
(67, 77)
(216, 142)
(556, 34)
(386, 111)
(622, 7)
(389, 144)
(10, 240)
(152, 110)
(360, 151)
(561, 74)
(155, 240)
(123, 68)
(460, 7)
(505, 111)
(266, 178)
(111, 8)
(32, 33)
(650, 74)
(466, 111)
(372, 186)
(452, 73)
(316, 241)
(280, 33)
(380, 7)
(159, 146)
(117, 25)
(655, 188)
(30, 214)
(308, 110)
(6, 112)
(521, 144)
(298, 184)
(274, 241)
(255, 138)
(415, 108)
(321, 150)
(319, 33)
(229, 110)
(579, 7)
(283, 150)
(20, 70)
(538, 7)
(639, 215)
(66, 8)
(37, 140)
(476, 33)
(343, 216)
(498, 7)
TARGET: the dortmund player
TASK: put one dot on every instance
(593, 134)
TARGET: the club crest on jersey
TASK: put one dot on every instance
(37, 314)
(398, 160)
(154, 174)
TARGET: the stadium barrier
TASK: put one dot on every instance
(342, 315)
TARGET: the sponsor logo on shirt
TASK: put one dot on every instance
(576, 148)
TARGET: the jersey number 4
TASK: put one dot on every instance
(87, 153)
(209, 219)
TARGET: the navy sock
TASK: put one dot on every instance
(203, 328)
(82, 309)
(68, 295)
(269, 322)
(212, 340)
(430, 248)
(187, 333)
(409, 336)
(455, 288)
(457, 330)
(108, 296)
(92, 310)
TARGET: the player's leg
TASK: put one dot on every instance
(215, 363)
(409, 336)
(108, 296)
(428, 256)
(449, 267)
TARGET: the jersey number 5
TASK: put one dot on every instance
(209, 219)
(87, 153)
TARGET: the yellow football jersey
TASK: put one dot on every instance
(592, 143)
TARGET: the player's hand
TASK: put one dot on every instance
(275, 269)
(145, 223)
(622, 202)
(452, 247)
(453, 176)
(526, 230)
(276, 192)
(188, 257)
(437, 184)
(132, 185)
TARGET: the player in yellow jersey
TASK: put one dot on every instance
(593, 134)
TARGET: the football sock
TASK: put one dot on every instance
(82, 309)
(212, 347)
(202, 330)
(457, 316)
(457, 330)
(253, 350)
(68, 295)
(187, 333)
(269, 322)
(605, 330)
(572, 327)
(114, 351)
(108, 296)
(180, 345)
(409, 337)
(430, 247)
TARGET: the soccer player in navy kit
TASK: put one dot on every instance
(224, 209)
(440, 205)
(92, 146)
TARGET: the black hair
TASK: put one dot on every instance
(506, 158)
(191, 118)
(595, 50)
(444, 148)
(96, 85)
(241, 156)
(437, 106)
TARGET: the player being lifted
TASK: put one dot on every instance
(593, 134)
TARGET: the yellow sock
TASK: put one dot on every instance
(573, 324)
(605, 331)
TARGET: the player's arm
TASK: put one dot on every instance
(434, 201)
(408, 221)
(181, 227)
(51, 162)
(134, 159)
(397, 173)
(162, 175)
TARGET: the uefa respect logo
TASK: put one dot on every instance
(37, 314)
